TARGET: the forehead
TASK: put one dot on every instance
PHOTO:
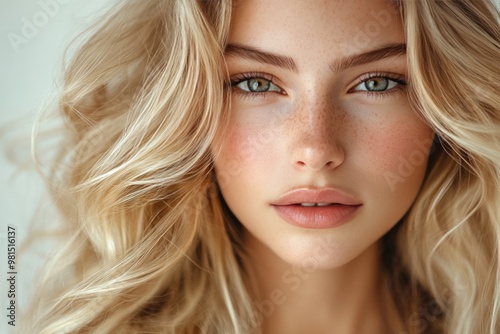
(316, 26)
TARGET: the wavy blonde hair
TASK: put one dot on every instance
(151, 248)
(449, 244)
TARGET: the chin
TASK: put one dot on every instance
(322, 252)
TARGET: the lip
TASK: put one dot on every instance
(305, 195)
(317, 217)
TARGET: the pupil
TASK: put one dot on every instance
(258, 85)
(377, 84)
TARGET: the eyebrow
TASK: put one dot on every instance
(385, 51)
(256, 54)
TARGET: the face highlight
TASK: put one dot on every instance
(318, 101)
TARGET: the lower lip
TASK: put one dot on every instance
(317, 217)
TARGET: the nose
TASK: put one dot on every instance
(315, 138)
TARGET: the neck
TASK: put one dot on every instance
(348, 299)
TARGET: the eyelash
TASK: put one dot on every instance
(400, 79)
(247, 76)
(231, 84)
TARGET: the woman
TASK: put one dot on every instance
(282, 167)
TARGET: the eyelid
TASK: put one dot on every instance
(238, 78)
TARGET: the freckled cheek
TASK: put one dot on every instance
(253, 136)
(245, 151)
(399, 153)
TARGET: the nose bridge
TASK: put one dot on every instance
(316, 123)
(317, 115)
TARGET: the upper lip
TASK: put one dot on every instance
(307, 195)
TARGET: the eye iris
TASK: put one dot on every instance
(377, 84)
(258, 85)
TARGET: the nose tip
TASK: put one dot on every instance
(314, 158)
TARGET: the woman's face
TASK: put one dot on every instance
(319, 114)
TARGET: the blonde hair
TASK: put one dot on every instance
(151, 245)
(449, 244)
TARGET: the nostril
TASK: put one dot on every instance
(312, 156)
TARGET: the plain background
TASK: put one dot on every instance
(29, 80)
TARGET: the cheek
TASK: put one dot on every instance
(397, 157)
(244, 152)
(253, 140)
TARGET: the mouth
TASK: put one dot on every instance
(317, 215)
(316, 197)
(317, 209)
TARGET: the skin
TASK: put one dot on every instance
(320, 128)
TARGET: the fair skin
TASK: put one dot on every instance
(306, 120)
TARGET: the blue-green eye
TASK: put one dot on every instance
(376, 84)
(257, 85)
